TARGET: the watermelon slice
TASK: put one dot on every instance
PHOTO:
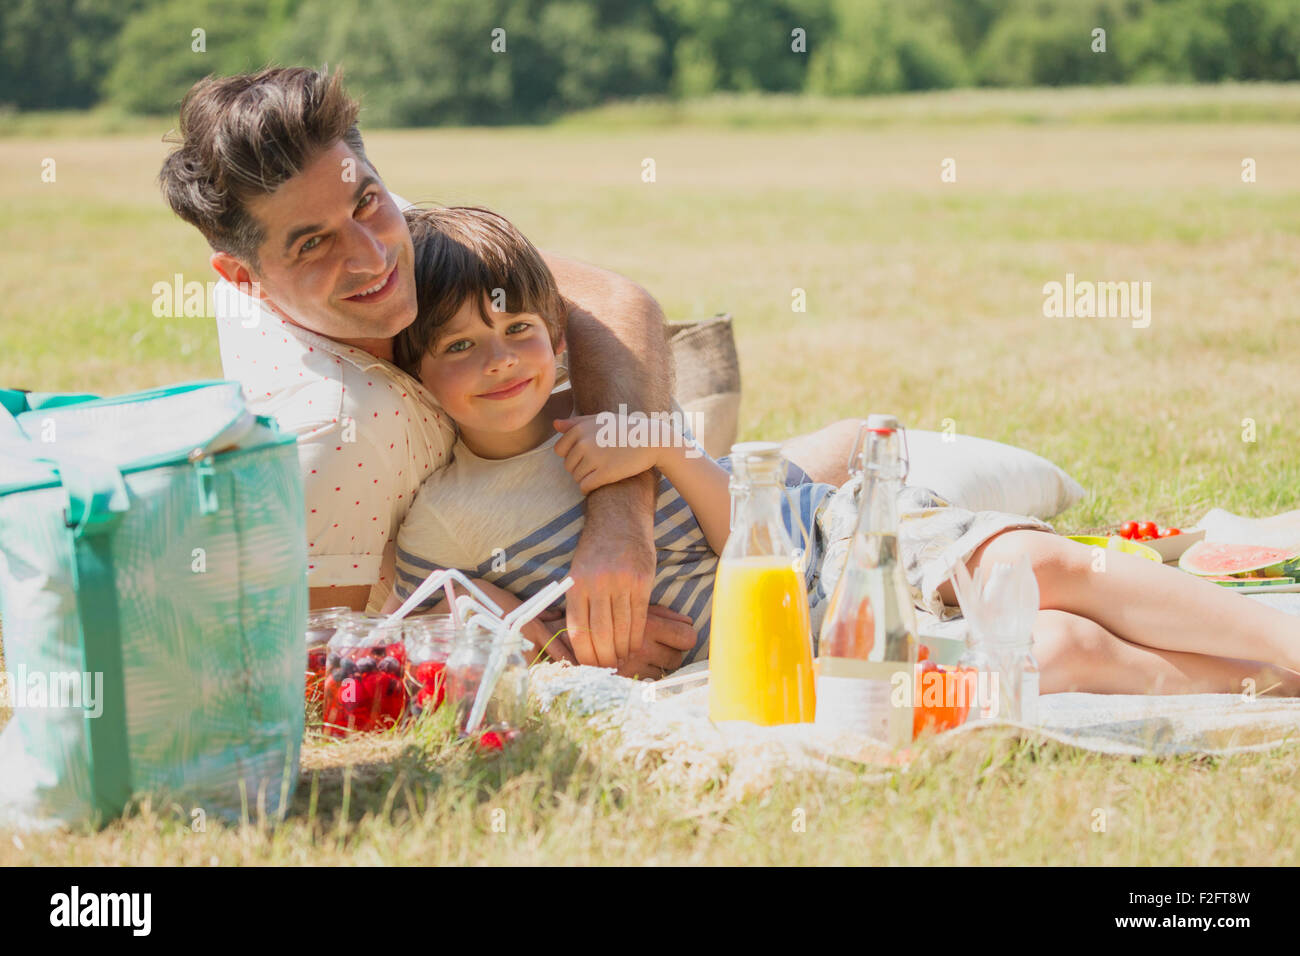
(1219, 560)
(1251, 582)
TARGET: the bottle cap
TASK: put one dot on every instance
(882, 422)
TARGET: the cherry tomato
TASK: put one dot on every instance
(1173, 531)
(1147, 529)
(1128, 529)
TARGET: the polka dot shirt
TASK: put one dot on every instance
(368, 435)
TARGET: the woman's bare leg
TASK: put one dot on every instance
(1078, 654)
(1147, 604)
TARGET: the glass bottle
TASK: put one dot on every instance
(760, 648)
(866, 655)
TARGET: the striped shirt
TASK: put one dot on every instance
(515, 523)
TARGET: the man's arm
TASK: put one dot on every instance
(618, 355)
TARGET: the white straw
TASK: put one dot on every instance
(434, 581)
(507, 635)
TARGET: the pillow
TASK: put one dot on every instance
(984, 475)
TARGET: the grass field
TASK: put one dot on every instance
(924, 298)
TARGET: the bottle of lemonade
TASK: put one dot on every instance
(867, 651)
(760, 649)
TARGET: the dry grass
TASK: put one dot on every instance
(924, 298)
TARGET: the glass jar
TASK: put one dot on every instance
(1007, 678)
(430, 640)
(364, 689)
(1017, 671)
(470, 663)
(321, 625)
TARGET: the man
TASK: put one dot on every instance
(271, 168)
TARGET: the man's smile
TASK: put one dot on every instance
(377, 292)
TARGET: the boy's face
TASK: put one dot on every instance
(332, 233)
(491, 378)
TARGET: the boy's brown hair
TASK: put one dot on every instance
(467, 252)
(244, 136)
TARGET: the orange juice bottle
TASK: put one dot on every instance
(760, 646)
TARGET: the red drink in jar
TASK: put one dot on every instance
(364, 690)
(429, 642)
(321, 627)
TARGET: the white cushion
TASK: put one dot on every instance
(984, 475)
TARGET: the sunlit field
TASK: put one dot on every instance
(924, 298)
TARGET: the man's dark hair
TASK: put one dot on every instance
(467, 252)
(244, 136)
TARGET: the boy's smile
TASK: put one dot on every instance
(507, 391)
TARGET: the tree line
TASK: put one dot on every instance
(432, 62)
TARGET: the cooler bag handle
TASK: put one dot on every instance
(97, 498)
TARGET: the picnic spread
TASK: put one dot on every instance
(666, 724)
(154, 553)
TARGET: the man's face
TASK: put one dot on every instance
(333, 233)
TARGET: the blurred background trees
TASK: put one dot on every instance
(431, 62)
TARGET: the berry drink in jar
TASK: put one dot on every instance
(364, 690)
(321, 626)
(430, 640)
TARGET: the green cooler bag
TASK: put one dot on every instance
(153, 598)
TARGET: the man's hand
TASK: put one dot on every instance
(668, 638)
(613, 571)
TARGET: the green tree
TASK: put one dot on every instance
(880, 47)
(416, 62)
(54, 54)
(1049, 43)
(744, 45)
(160, 55)
(1180, 41)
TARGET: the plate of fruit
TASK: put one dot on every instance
(1169, 543)
(1116, 543)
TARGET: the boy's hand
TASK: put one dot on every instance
(594, 463)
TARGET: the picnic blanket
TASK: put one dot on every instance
(671, 733)
(674, 736)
